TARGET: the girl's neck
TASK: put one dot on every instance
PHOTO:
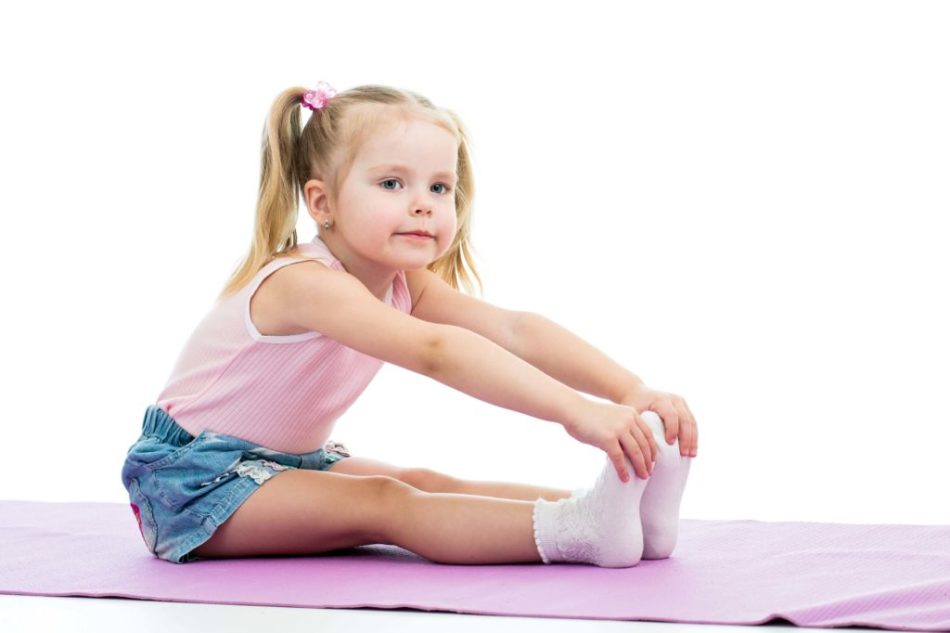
(378, 280)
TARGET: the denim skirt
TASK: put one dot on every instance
(182, 487)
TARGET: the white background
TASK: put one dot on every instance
(742, 202)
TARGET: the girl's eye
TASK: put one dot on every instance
(445, 188)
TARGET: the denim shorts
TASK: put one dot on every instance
(182, 487)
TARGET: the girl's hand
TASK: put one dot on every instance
(616, 429)
(677, 419)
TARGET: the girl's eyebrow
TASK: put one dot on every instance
(403, 168)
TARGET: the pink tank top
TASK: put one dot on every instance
(280, 392)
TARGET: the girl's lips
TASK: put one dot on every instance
(421, 236)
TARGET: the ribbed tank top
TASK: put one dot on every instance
(281, 392)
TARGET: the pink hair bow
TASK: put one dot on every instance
(318, 97)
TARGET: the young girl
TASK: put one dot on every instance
(235, 459)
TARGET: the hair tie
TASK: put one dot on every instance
(317, 98)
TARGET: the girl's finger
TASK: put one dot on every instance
(653, 445)
(644, 440)
(671, 420)
(692, 419)
(616, 457)
(646, 431)
(687, 436)
(689, 411)
(632, 448)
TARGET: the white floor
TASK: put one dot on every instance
(109, 615)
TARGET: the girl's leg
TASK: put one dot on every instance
(300, 512)
(506, 490)
(310, 512)
(464, 529)
(600, 526)
(435, 481)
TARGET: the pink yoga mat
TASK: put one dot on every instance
(722, 572)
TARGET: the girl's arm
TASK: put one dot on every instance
(568, 358)
(572, 361)
(531, 337)
(338, 305)
(471, 363)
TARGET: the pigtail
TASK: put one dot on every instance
(275, 220)
(457, 265)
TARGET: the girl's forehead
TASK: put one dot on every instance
(401, 133)
(405, 141)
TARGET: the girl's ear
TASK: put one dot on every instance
(315, 196)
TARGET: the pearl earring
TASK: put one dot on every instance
(326, 225)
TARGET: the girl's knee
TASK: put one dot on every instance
(429, 480)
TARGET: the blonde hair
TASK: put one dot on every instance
(325, 150)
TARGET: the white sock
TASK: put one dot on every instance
(660, 505)
(599, 525)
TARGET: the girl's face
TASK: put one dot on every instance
(402, 180)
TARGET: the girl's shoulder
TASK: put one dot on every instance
(306, 250)
(266, 308)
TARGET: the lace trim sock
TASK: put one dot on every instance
(660, 505)
(599, 525)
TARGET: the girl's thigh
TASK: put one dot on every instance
(364, 466)
(308, 512)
